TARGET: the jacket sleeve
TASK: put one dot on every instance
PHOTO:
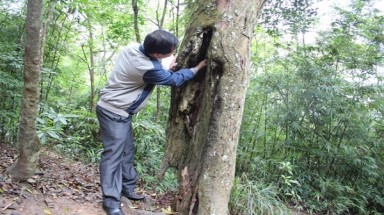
(160, 76)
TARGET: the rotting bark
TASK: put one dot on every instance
(205, 115)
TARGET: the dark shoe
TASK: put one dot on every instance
(133, 196)
(113, 211)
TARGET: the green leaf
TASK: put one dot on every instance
(53, 135)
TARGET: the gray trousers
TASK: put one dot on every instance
(117, 173)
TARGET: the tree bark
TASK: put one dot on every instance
(136, 20)
(28, 142)
(205, 115)
(91, 68)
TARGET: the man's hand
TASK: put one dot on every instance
(201, 65)
(169, 62)
(173, 63)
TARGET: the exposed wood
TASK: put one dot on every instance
(205, 115)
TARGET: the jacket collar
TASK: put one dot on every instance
(141, 48)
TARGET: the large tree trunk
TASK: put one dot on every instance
(28, 142)
(205, 115)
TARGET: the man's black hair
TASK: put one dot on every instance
(160, 41)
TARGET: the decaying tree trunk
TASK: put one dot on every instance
(205, 115)
(28, 142)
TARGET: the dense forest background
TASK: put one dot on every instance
(312, 133)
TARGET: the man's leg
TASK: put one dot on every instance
(115, 132)
(129, 172)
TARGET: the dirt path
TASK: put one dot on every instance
(62, 187)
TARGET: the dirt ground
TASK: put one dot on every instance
(62, 187)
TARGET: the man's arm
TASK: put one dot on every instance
(161, 76)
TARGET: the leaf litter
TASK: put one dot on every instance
(62, 186)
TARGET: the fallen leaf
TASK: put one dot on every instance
(32, 181)
(48, 211)
(6, 187)
(168, 210)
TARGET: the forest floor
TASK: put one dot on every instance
(64, 187)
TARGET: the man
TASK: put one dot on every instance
(137, 70)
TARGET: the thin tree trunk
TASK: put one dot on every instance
(205, 115)
(161, 24)
(45, 26)
(135, 20)
(91, 68)
(28, 142)
(92, 72)
(104, 57)
(158, 89)
(56, 55)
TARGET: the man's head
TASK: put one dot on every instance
(160, 43)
